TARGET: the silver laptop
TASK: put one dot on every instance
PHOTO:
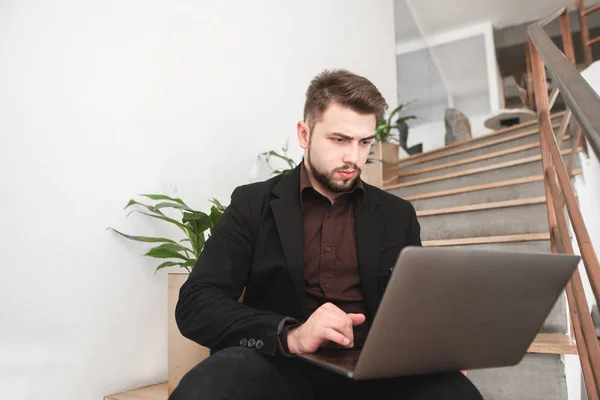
(451, 309)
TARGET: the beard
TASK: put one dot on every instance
(328, 180)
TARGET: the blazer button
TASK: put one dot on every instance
(243, 342)
(259, 344)
(251, 343)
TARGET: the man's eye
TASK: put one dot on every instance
(339, 140)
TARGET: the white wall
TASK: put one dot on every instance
(103, 100)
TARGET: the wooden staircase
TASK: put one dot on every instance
(488, 192)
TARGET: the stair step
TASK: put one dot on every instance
(556, 118)
(500, 194)
(154, 392)
(536, 377)
(474, 171)
(482, 206)
(553, 343)
(524, 237)
(497, 144)
(529, 150)
(515, 170)
(474, 188)
(532, 246)
(495, 222)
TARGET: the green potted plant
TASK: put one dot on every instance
(183, 354)
(194, 224)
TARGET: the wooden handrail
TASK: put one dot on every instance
(579, 96)
(583, 104)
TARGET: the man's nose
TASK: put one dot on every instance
(351, 155)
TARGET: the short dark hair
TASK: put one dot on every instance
(345, 88)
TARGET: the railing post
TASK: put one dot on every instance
(585, 33)
(567, 38)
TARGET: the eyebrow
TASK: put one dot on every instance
(343, 136)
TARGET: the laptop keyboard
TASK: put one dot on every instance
(342, 358)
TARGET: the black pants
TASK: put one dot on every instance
(242, 373)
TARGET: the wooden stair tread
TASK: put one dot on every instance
(482, 206)
(154, 392)
(553, 343)
(521, 237)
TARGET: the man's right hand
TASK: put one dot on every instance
(327, 323)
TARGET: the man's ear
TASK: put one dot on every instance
(303, 133)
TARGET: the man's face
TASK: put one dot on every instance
(338, 147)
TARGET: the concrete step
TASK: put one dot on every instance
(447, 168)
(503, 143)
(536, 377)
(494, 222)
(514, 192)
(501, 174)
(482, 140)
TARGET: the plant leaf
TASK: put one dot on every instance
(189, 263)
(166, 264)
(166, 250)
(217, 203)
(163, 197)
(148, 207)
(143, 238)
(173, 205)
(215, 214)
(196, 216)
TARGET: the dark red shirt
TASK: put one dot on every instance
(330, 261)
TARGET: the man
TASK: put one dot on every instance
(313, 249)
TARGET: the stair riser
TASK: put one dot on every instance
(474, 153)
(494, 222)
(495, 137)
(517, 171)
(522, 191)
(536, 377)
(479, 164)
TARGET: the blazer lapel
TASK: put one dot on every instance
(288, 218)
(369, 227)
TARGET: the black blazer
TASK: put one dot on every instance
(258, 244)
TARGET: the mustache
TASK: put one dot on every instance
(348, 168)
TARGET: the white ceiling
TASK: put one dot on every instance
(438, 16)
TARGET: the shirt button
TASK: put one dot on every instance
(327, 248)
(251, 343)
(259, 344)
(327, 286)
(328, 215)
(243, 342)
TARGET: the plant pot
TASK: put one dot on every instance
(184, 354)
(382, 170)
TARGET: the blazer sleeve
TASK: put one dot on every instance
(208, 311)
(414, 228)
